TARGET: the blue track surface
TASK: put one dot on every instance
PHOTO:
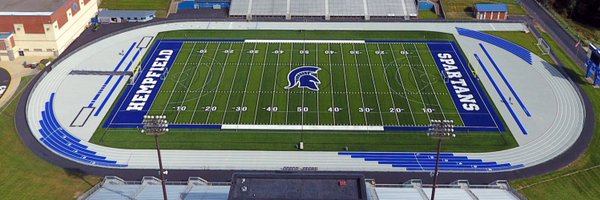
(426, 161)
(62, 142)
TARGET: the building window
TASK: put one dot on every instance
(49, 50)
(56, 26)
(18, 29)
(75, 6)
(47, 29)
(37, 50)
(25, 49)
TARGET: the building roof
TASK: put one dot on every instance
(11, 7)
(487, 7)
(126, 13)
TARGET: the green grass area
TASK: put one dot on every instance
(580, 31)
(579, 180)
(244, 83)
(526, 40)
(286, 140)
(427, 14)
(463, 9)
(26, 176)
(161, 6)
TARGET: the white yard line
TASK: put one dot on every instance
(381, 110)
(346, 86)
(362, 99)
(219, 84)
(178, 78)
(430, 84)
(402, 83)
(287, 106)
(205, 81)
(318, 91)
(237, 66)
(246, 86)
(260, 84)
(191, 82)
(388, 84)
(331, 84)
(303, 89)
(416, 83)
(274, 87)
(447, 89)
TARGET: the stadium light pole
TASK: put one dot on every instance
(440, 130)
(157, 125)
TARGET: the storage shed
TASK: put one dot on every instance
(491, 11)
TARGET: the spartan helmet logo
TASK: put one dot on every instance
(304, 77)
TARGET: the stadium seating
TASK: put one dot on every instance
(59, 140)
(499, 42)
(426, 161)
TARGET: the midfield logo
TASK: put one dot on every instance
(304, 77)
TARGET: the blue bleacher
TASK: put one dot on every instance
(62, 142)
(426, 161)
(499, 42)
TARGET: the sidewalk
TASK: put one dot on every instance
(16, 70)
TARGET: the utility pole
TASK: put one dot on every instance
(157, 125)
(440, 130)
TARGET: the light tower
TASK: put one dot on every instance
(157, 125)
(440, 130)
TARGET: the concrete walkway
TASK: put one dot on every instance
(16, 70)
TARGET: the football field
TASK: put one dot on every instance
(347, 84)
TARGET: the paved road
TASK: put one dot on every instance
(560, 35)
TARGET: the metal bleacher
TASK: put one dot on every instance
(197, 188)
(426, 161)
(62, 142)
(499, 42)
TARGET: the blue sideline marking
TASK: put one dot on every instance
(112, 90)
(505, 81)
(464, 83)
(110, 77)
(512, 112)
(120, 116)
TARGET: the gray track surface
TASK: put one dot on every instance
(552, 164)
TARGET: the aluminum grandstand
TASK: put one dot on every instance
(197, 188)
(327, 9)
